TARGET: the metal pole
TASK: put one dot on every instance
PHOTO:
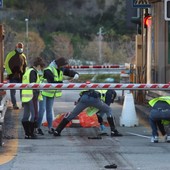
(1, 52)
(26, 21)
(100, 45)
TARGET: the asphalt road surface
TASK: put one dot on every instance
(75, 151)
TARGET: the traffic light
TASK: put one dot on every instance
(147, 21)
(167, 10)
(137, 20)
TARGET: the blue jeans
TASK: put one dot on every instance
(13, 91)
(46, 105)
(160, 110)
(29, 111)
(157, 115)
(86, 101)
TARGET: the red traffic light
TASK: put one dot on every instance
(147, 21)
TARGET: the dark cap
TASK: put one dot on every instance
(61, 61)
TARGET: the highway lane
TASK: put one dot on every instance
(73, 150)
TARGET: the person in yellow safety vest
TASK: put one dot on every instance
(30, 98)
(159, 115)
(53, 74)
(15, 65)
(108, 97)
(89, 98)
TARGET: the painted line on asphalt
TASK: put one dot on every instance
(10, 147)
(10, 151)
(135, 134)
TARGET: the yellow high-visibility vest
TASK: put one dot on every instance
(27, 95)
(103, 94)
(52, 93)
(162, 98)
(8, 57)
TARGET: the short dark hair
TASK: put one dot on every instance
(38, 61)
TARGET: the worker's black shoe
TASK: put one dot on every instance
(15, 107)
(51, 131)
(39, 131)
(56, 133)
(27, 137)
(33, 136)
(115, 133)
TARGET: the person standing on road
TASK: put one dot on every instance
(159, 114)
(89, 98)
(30, 98)
(15, 65)
(53, 74)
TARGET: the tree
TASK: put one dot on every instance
(37, 10)
(61, 45)
(91, 52)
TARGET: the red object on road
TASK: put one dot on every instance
(57, 120)
(83, 120)
(88, 121)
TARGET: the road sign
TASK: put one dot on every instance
(1, 3)
(167, 10)
(141, 4)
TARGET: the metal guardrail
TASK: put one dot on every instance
(95, 66)
(99, 69)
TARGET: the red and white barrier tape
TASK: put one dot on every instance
(79, 86)
(95, 66)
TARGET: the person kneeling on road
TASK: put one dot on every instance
(160, 114)
(89, 98)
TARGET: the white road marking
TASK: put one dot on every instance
(135, 134)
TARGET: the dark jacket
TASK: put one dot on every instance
(17, 64)
(50, 77)
(33, 79)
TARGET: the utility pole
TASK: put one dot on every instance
(1, 52)
(100, 37)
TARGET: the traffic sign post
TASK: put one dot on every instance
(1, 3)
(141, 4)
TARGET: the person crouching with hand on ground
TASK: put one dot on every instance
(160, 111)
(89, 98)
(30, 98)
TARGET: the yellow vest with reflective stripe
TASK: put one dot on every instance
(8, 57)
(52, 93)
(162, 98)
(103, 94)
(27, 95)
